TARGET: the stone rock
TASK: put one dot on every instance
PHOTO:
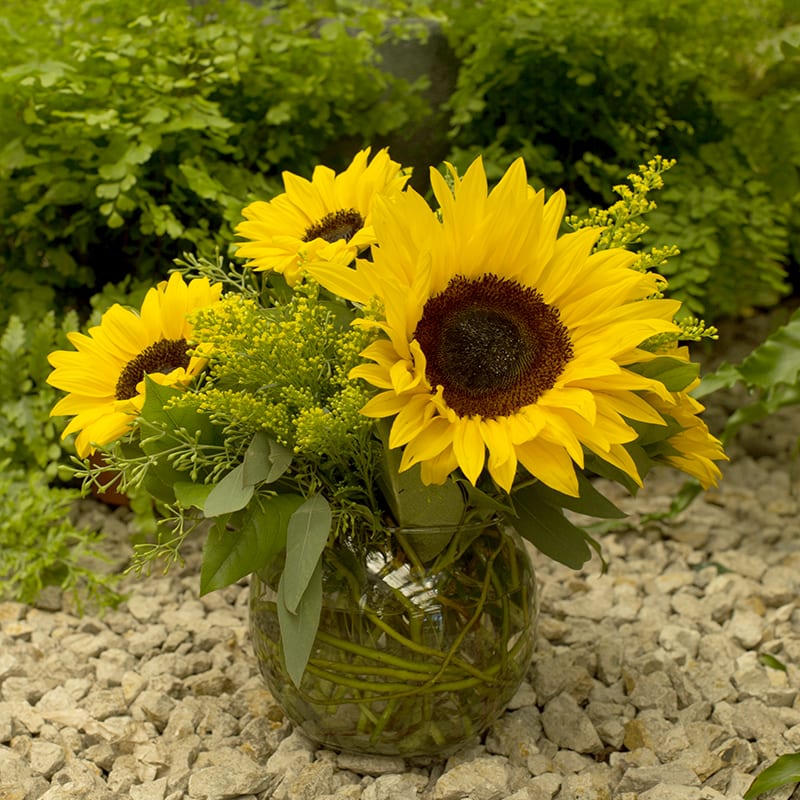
(747, 628)
(45, 758)
(544, 787)
(150, 790)
(313, 780)
(679, 640)
(515, 735)
(235, 774)
(655, 690)
(640, 779)
(394, 787)
(484, 778)
(370, 765)
(567, 725)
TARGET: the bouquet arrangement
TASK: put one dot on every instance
(378, 363)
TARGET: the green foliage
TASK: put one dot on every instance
(732, 234)
(771, 373)
(132, 131)
(583, 91)
(40, 546)
(785, 770)
(29, 437)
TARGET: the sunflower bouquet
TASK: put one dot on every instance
(381, 365)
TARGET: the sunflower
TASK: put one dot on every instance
(104, 375)
(505, 344)
(327, 218)
(695, 448)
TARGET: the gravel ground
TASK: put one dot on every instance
(649, 681)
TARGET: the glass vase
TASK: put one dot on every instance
(424, 637)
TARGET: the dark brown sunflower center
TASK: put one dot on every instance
(492, 344)
(162, 356)
(343, 224)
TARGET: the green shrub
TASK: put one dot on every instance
(29, 437)
(584, 92)
(40, 546)
(132, 131)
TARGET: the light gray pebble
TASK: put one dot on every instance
(45, 757)
(746, 628)
(567, 725)
(654, 667)
(370, 765)
(484, 778)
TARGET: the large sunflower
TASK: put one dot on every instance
(104, 375)
(328, 218)
(504, 344)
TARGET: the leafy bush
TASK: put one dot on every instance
(40, 546)
(586, 91)
(29, 437)
(132, 131)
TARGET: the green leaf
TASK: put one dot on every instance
(590, 502)
(192, 495)
(411, 501)
(172, 419)
(786, 769)
(229, 495)
(674, 373)
(770, 661)
(306, 537)
(243, 543)
(549, 530)
(299, 627)
(265, 460)
(777, 359)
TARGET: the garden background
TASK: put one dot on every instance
(133, 132)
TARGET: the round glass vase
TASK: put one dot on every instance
(424, 637)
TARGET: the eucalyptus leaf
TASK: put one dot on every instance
(192, 495)
(299, 627)
(229, 495)
(785, 770)
(306, 537)
(243, 543)
(265, 460)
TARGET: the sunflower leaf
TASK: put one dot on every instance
(674, 373)
(306, 536)
(299, 627)
(590, 502)
(173, 418)
(239, 544)
(545, 526)
(784, 770)
(412, 503)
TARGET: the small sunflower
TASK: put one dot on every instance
(104, 375)
(696, 449)
(505, 344)
(327, 218)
